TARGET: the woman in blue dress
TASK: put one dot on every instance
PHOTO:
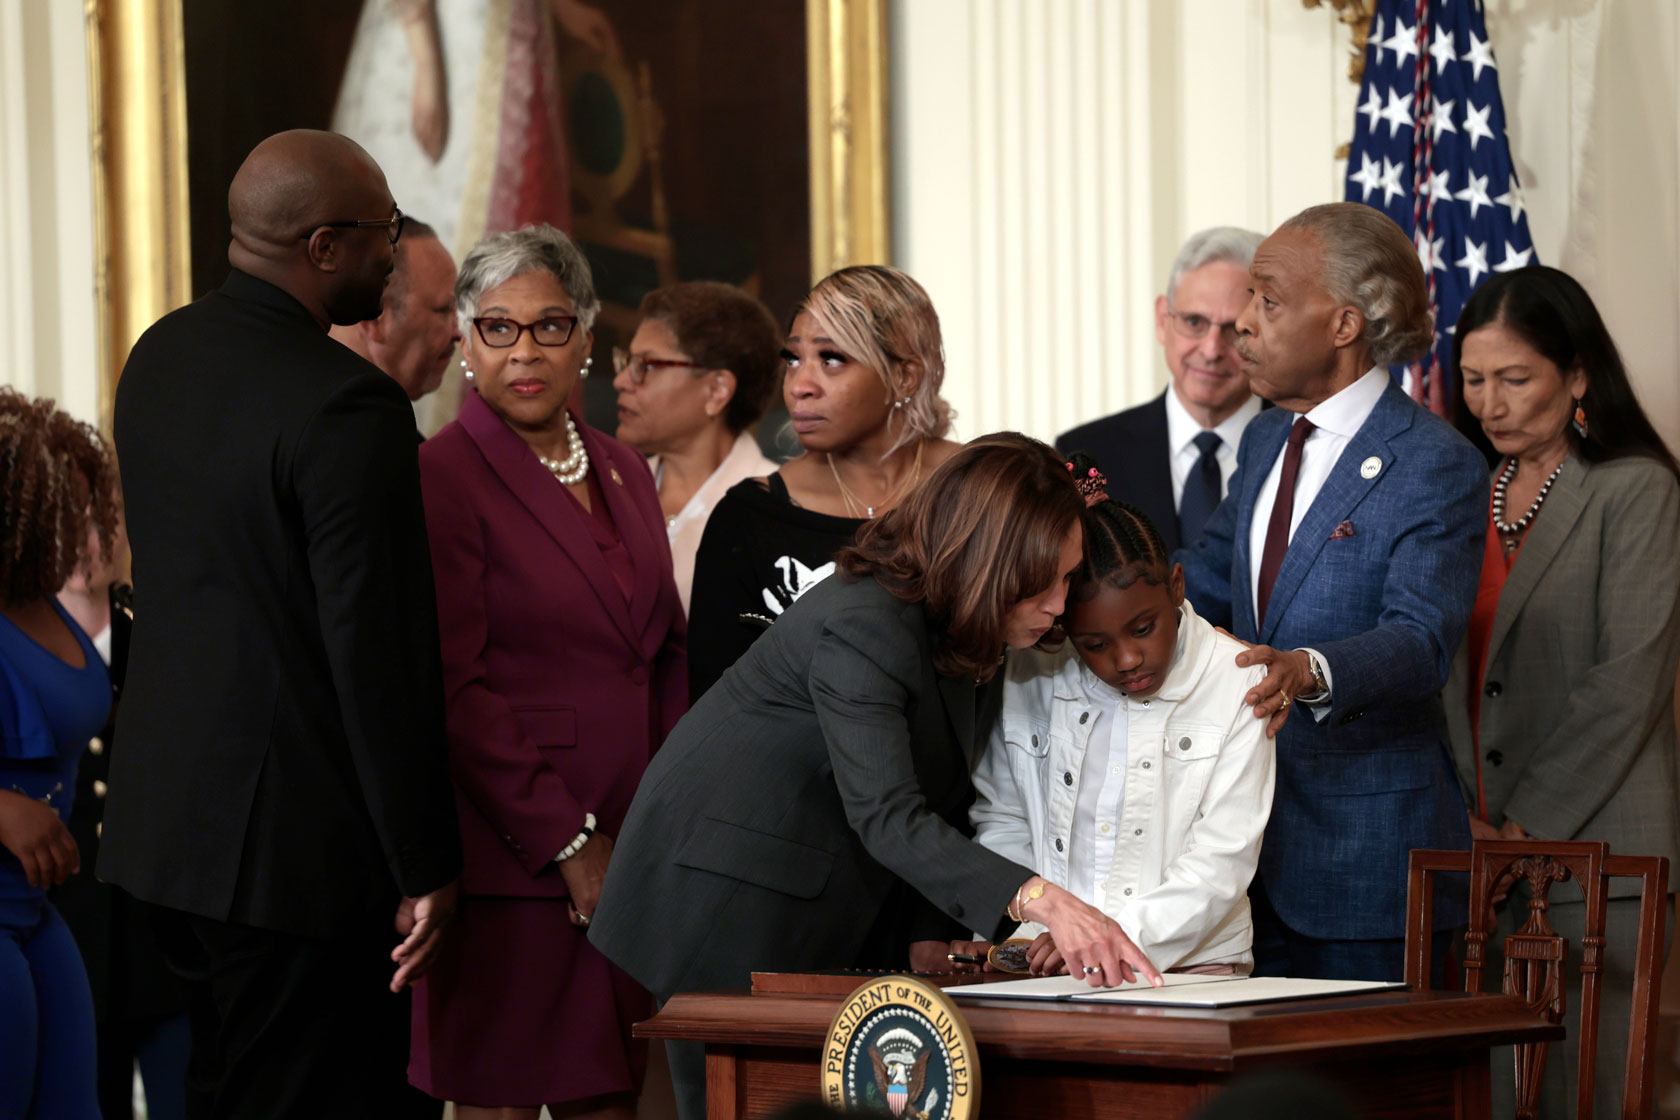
(56, 483)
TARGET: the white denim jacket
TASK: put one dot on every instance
(1199, 772)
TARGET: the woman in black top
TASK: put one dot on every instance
(864, 365)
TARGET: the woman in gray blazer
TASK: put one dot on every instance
(1560, 705)
(810, 812)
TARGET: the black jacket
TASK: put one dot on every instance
(283, 761)
(1131, 449)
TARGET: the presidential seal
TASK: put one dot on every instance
(900, 1046)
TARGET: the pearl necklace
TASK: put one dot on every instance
(574, 468)
(1499, 485)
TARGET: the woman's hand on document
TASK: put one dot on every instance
(1088, 942)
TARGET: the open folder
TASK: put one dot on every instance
(1182, 989)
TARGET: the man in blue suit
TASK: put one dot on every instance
(1347, 552)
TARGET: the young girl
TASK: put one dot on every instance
(1129, 770)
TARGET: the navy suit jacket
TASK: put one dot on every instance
(1131, 448)
(1386, 607)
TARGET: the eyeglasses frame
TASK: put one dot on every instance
(521, 328)
(1228, 333)
(623, 360)
(394, 223)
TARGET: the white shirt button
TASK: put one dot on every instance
(1105, 828)
(96, 745)
(99, 788)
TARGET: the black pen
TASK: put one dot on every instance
(964, 958)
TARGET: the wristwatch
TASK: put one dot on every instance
(1321, 685)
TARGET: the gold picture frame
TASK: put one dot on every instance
(137, 74)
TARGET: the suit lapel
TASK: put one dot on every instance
(1341, 494)
(540, 493)
(1155, 452)
(633, 530)
(1254, 476)
(1562, 508)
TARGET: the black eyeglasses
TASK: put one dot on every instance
(556, 330)
(393, 225)
(1197, 326)
(639, 366)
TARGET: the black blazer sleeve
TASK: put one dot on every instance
(861, 685)
(357, 486)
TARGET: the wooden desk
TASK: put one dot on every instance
(1397, 1054)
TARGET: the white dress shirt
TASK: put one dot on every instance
(1102, 785)
(744, 461)
(1182, 452)
(1335, 422)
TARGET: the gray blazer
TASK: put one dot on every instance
(815, 797)
(1577, 719)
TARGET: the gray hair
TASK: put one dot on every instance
(539, 248)
(1221, 243)
(1370, 263)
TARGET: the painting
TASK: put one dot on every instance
(739, 140)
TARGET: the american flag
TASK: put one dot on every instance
(1429, 150)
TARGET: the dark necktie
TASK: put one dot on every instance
(1283, 510)
(1203, 487)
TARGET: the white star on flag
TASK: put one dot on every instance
(1372, 109)
(1511, 200)
(1474, 260)
(1397, 108)
(1476, 122)
(1480, 55)
(1368, 176)
(1475, 194)
(1441, 50)
(1377, 39)
(1430, 253)
(1440, 118)
(1391, 184)
(1403, 42)
(1438, 187)
(1513, 259)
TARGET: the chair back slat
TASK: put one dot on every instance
(1537, 957)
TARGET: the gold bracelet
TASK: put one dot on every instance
(1032, 896)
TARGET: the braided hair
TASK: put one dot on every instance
(1122, 545)
(56, 482)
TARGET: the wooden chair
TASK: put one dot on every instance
(1536, 956)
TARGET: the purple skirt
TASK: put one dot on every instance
(521, 1010)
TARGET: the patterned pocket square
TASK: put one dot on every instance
(1343, 531)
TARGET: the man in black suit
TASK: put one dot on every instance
(1173, 457)
(283, 788)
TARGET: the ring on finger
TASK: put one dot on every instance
(1287, 699)
(1092, 969)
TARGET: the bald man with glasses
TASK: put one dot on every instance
(283, 794)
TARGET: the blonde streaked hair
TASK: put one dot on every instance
(881, 318)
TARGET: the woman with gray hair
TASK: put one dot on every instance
(563, 666)
(864, 363)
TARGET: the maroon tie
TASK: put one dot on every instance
(1283, 510)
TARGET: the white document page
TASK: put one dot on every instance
(1181, 990)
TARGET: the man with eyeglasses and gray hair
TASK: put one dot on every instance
(1173, 457)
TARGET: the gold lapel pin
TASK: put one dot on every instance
(613, 471)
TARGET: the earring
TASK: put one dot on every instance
(898, 404)
(1579, 423)
(465, 372)
(587, 362)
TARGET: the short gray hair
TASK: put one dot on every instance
(1221, 243)
(540, 248)
(1369, 262)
